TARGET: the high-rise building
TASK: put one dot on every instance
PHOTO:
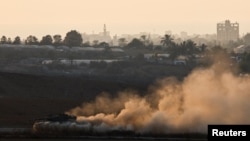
(227, 31)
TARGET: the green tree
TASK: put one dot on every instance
(167, 41)
(4, 40)
(17, 40)
(135, 43)
(217, 49)
(175, 51)
(246, 39)
(95, 43)
(31, 40)
(104, 45)
(122, 42)
(203, 48)
(189, 47)
(9, 41)
(244, 64)
(57, 39)
(86, 44)
(46, 40)
(73, 38)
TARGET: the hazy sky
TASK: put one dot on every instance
(41, 17)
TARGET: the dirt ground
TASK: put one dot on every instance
(22, 112)
(25, 98)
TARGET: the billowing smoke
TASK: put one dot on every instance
(207, 96)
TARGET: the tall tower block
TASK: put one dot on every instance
(227, 31)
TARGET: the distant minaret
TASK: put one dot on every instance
(104, 30)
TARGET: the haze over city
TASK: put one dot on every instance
(39, 18)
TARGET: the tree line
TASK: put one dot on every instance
(72, 38)
(187, 48)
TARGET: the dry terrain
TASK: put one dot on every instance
(25, 98)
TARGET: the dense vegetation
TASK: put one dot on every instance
(133, 62)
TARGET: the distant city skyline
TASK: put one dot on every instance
(39, 18)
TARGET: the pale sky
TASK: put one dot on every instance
(42, 17)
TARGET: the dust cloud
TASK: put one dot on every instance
(214, 95)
